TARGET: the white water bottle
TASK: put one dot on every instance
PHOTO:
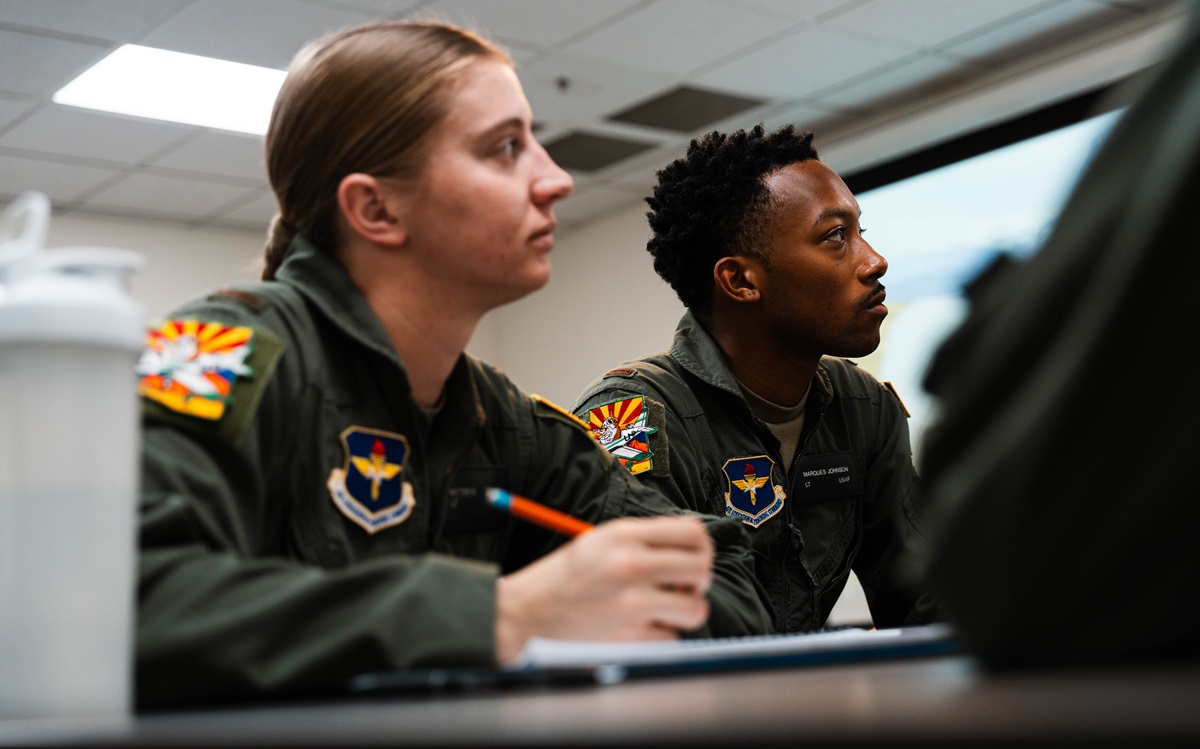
(70, 334)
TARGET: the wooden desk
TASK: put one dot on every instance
(929, 701)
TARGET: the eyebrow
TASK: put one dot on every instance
(512, 123)
(841, 213)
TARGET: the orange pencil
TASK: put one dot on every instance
(534, 512)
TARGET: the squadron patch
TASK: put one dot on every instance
(622, 428)
(370, 488)
(753, 496)
(190, 366)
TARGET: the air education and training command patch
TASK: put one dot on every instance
(753, 497)
(190, 366)
(370, 488)
(621, 427)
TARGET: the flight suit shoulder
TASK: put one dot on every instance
(205, 367)
(545, 408)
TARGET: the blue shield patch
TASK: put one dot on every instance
(370, 488)
(753, 496)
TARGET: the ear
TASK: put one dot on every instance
(373, 210)
(737, 279)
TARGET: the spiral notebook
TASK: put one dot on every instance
(547, 661)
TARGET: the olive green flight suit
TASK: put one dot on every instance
(849, 500)
(322, 525)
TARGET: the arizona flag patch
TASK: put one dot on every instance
(370, 488)
(622, 428)
(753, 497)
(190, 366)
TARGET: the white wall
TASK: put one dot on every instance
(604, 304)
(180, 263)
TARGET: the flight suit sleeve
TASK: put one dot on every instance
(600, 488)
(225, 612)
(895, 546)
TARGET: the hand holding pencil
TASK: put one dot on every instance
(625, 579)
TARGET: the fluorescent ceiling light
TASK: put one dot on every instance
(178, 87)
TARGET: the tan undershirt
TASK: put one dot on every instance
(430, 413)
(785, 422)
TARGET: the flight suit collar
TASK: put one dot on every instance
(696, 351)
(326, 284)
(323, 280)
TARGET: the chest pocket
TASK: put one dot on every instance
(468, 525)
(825, 507)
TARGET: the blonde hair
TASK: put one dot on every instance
(363, 99)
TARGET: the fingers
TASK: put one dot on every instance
(627, 579)
(663, 567)
(674, 611)
(684, 571)
(649, 613)
(674, 553)
(681, 531)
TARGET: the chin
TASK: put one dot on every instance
(865, 348)
(540, 276)
(524, 286)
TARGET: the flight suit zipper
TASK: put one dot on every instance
(788, 591)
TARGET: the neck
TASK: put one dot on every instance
(428, 328)
(428, 340)
(774, 373)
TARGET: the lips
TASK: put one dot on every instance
(543, 239)
(545, 231)
(876, 299)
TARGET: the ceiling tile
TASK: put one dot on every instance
(11, 109)
(640, 172)
(808, 10)
(532, 22)
(806, 61)
(685, 109)
(1010, 41)
(40, 65)
(804, 115)
(256, 212)
(167, 197)
(747, 119)
(676, 36)
(884, 85)
(86, 134)
(108, 20)
(590, 152)
(375, 8)
(221, 153)
(592, 89)
(62, 183)
(233, 29)
(1149, 5)
(924, 23)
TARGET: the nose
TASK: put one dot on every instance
(874, 265)
(552, 182)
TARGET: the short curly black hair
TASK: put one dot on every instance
(714, 202)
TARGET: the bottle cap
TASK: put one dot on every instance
(73, 295)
